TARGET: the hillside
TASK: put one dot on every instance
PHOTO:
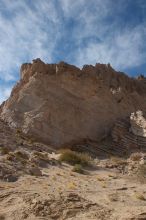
(73, 144)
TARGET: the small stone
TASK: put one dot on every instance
(35, 171)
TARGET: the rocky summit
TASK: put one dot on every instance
(60, 104)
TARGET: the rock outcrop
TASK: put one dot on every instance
(138, 124)
(130, 133)
(60, 103)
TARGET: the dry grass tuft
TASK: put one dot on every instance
(78, 169)
(139, 196)
(72, 157)
(136, 156)
(21, 154)
(4, 150)
(118, 161)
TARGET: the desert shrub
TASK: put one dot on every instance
(18, 132)
(136, 156)
(10, 157)
(4, 150)
(21, 154)
(73, 157)
(118, 161)
(31, 140)
(140, 196)
(78, 169)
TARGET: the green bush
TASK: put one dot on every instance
(73, 157)
(78, 169)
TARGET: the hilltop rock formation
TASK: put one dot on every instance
(60, 103)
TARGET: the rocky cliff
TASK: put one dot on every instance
(60, 103)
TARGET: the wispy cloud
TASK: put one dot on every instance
(121, 49)
(118, 42)
(26, 32)
(78, 31)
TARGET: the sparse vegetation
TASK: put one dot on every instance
(4, 150)
(18, 132)
(140, 196)
(21, 154)
(72, 186)
(31, 140)
(73, 157)
(10, 157)
(118, 161)
(100, 178)
(136, 156)
(78, 169)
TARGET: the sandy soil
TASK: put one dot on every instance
(62, 194)
(37, 186)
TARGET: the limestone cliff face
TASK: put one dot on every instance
(59, 103)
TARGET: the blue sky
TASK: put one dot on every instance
(76, 31)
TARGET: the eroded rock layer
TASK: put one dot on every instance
(129, 134)
(61, 104)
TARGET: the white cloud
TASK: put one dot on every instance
(24, 35)
(122, 50)
(34, 30)
(31, 30)
(123, 46)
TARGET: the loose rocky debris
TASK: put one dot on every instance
(133, 167)
(65, 207)
(141, 216)
(8, 174)
(20, 162)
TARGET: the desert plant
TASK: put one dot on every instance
(21, 154)
(73, 157)
(4, 150)
(136, 156)
(118, 161)
(18, 132)
(10, 157)
(78, 169)
(140, 196)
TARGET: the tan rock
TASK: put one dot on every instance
(35, 171)
(138, 124)
(60, 104)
